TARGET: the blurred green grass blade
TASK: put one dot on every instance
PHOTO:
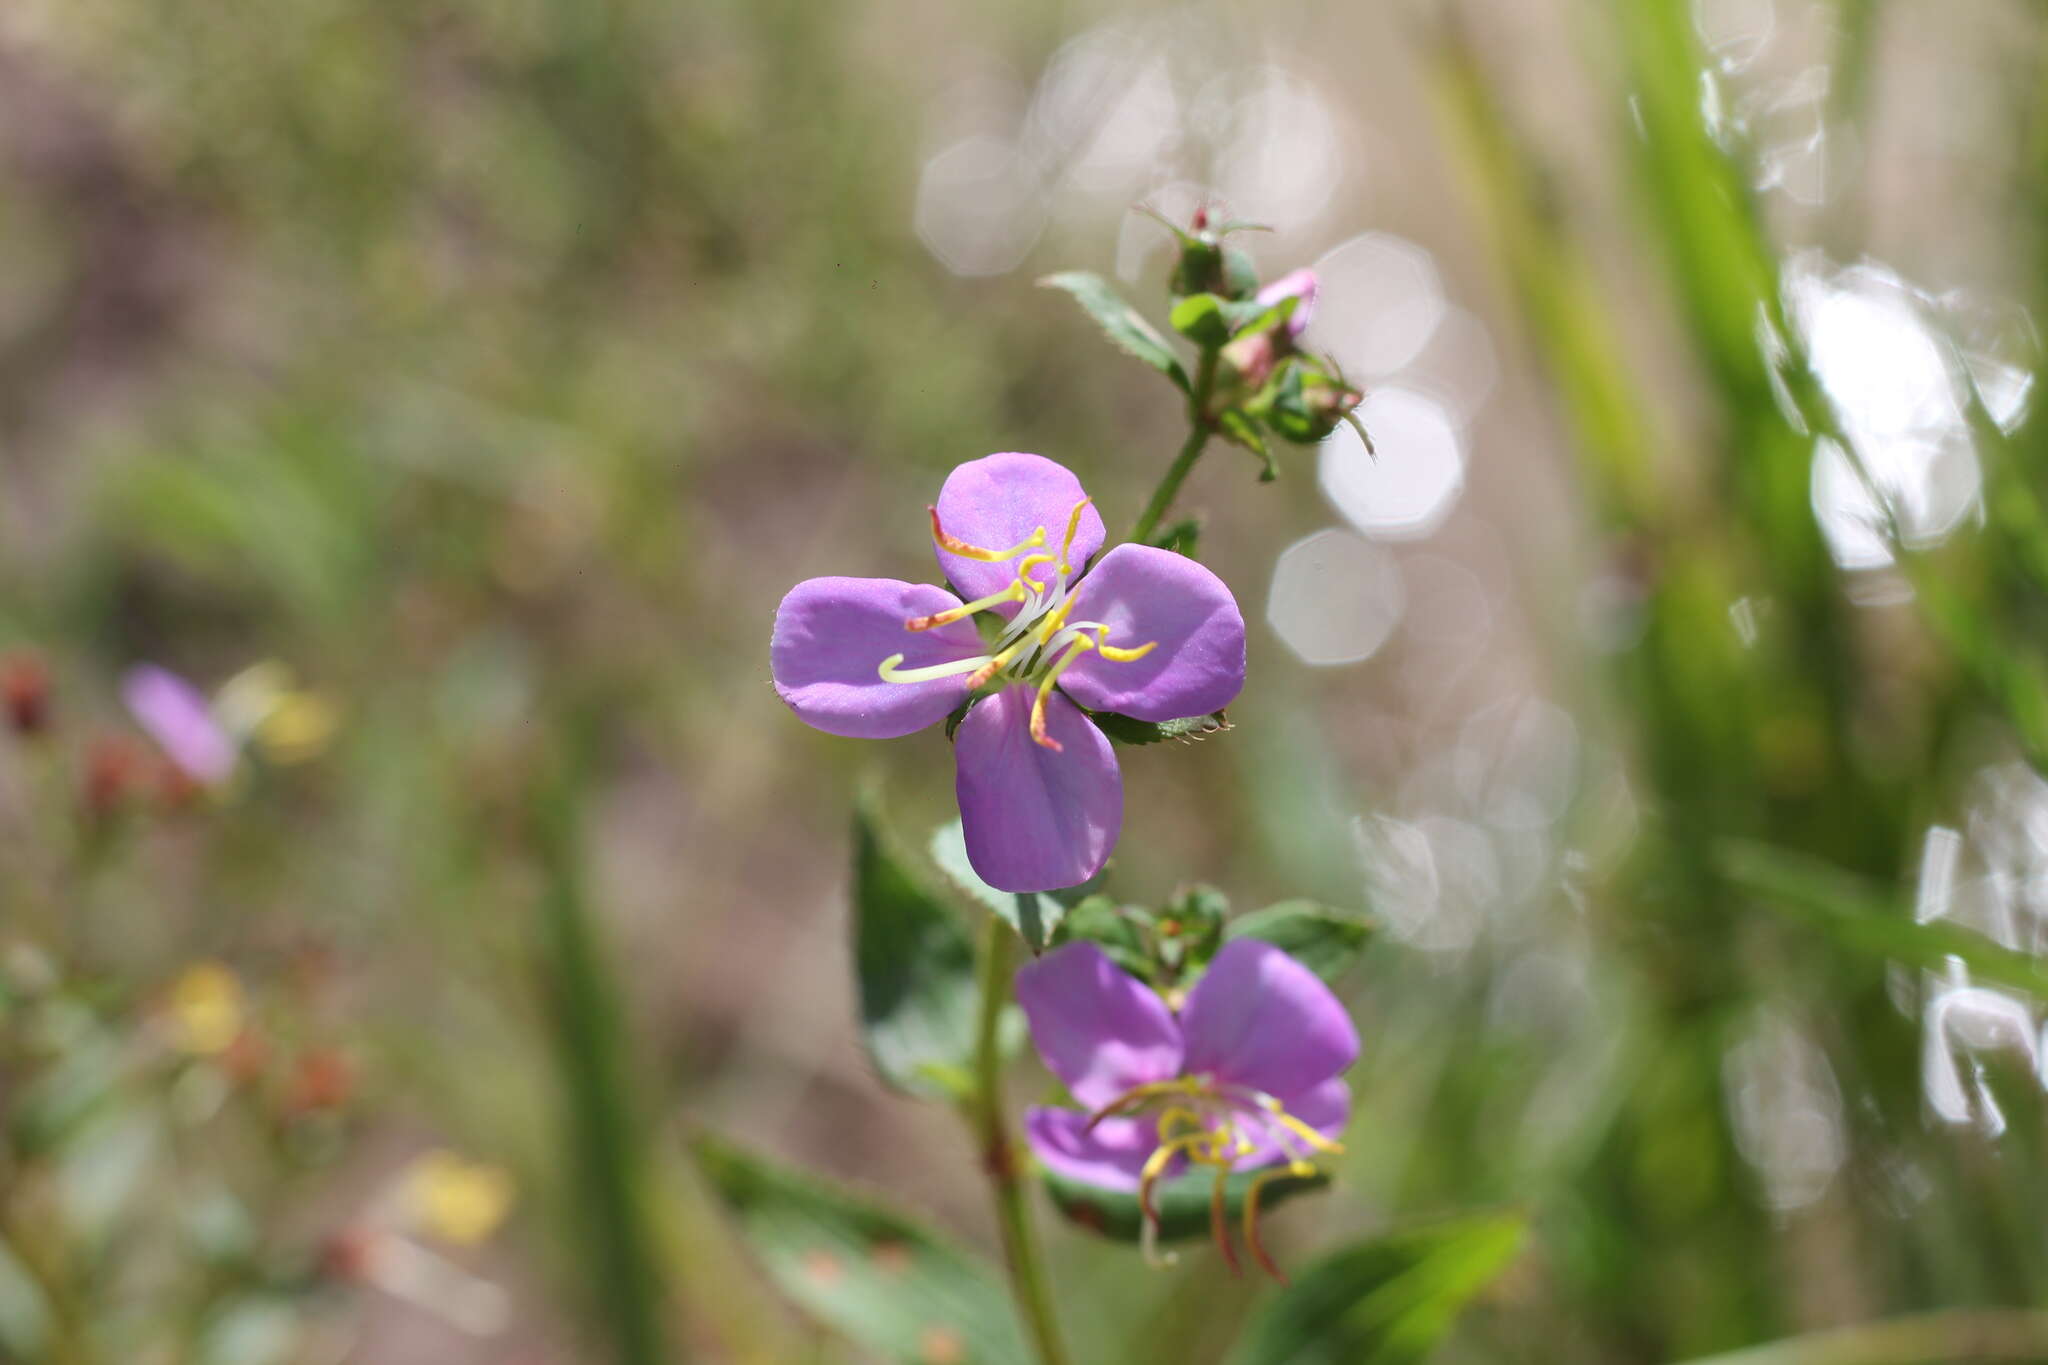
(1325, 941)
(1182, 1203)
(1122, 324)
(877, 1277)
(1945, 1338)
(1554, 285)
(1386, 1301)
(914, 970)
(605, 1143)
(1856, 914)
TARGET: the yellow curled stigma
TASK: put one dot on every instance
(953, 545)
(1073, 529)
(1011, 592)
(1038, 735)
(893, 674)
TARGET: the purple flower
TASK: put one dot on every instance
(1248, 1074)
(178, 717)
(1142, 632)
(1295, 284)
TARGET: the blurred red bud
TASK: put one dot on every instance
(323, 1080)
(113, 767)
(25, 691)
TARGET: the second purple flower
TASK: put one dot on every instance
(1140, 632)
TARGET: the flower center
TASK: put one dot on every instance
(1215, 1124)
(1038, 643)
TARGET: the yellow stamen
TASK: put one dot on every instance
(1073, 528)
(1219, 1219)
(1011, 592)
(891, 673)
(1300, 1170)
(1316, 1141)
(1118, 654)
(952, 544)
(996, 665)
(1038, 734)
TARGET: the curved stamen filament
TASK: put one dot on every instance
(891, 673)
(1011, 592)
(1300, 1170)
(1030, 562)
(1118, 654)
(1038, 735)
(952, 544)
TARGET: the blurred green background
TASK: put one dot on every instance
(496, 366)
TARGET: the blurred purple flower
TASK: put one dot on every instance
(179, 718)
(1142, 632)
(1299, 284)
(1247, 1076)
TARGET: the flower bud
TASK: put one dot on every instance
(1248, 363)
(1295, 284)
(1307, 402)
(25, 692)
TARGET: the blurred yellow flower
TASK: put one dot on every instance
(460, 1202)
(264, 703)
(206, 1009)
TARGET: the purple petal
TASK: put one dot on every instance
(831, 635)
(1299, 284)
(1325, 1108)
(1035, 819)
(1258, 1018)
(997, 502)
(178, 717)
(1097, 1027)
(1111, 1157)
(1144, 594)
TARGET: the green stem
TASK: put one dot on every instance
(1190, 451)
(999, 1156)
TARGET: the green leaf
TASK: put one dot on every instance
(1239, 429)
(872, 1275)
(914, 966)
(1120, 322)
(1251, 317)
(1387, 1301)
(1944, 1337)
(1323, 940)
(1200, 318)
(1182, 1203)
(1033, 916)
(1858, 915)
(1127, 730)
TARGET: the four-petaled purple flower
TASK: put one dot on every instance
(1248, 1075)
(1142, 632)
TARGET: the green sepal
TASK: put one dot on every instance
(1120, 322)
(1190, 929)
(1240, 430)
(1184, 537)
(1123, 932)
(1128, 730)
(1182, 1203)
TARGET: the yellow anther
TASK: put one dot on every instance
(953, 545)
(891, 673)
(1055, 621)
(1316, 1141)
(1011, 592)
(1027, 564)
(1001, 661)
(1118, 654)
(1073, 529)
(1038, 735)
